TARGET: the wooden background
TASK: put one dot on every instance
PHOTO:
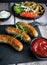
(13, 20)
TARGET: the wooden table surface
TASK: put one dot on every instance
(13, 20)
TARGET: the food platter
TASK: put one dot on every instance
(21, 50)
(23, 17)
(9, 55)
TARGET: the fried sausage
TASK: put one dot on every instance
(13, 30)
(12, 41)
(31, 29)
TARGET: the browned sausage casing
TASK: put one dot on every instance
(31, 29)
(12, 41)
(13, 30)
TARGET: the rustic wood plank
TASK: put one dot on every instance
(3, 6)
(43, 30)
(35, 63)
(43, 19)
(11, 4)
(22, 20)
(6, 6)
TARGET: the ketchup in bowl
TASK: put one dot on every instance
(39, 47)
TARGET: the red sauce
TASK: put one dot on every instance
(28, 14)
(39, 47)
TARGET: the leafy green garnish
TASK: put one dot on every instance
(17, 9)
(22, 28)
(17, 35)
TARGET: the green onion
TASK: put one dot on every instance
(17, 35)
(22, 28)
(20, 35)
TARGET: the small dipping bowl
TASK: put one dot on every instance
(37, 56)
(3, 18)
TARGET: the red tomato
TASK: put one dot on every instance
(28, 14)
(39, 47)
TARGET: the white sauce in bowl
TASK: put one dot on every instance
(4, 14)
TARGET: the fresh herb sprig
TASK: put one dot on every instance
(17, 35)
(22, 28)
(20, 35)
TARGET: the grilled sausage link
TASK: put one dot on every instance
(12, 30)
(31, 29)
(12, 41)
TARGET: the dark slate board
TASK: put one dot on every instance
(10, 56)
